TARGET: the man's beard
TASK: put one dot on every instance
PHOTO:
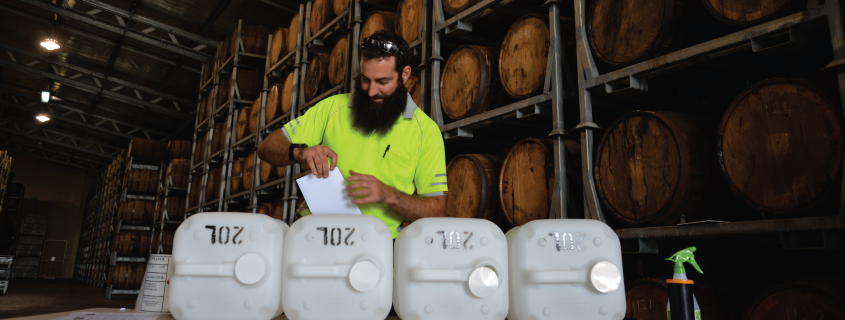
(369, 116)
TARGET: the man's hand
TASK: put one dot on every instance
(369, 186)
(315, 157)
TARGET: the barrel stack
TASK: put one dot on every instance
(136, 208)
(102, 211)
(172, 189)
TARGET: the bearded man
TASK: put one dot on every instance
(389, 151)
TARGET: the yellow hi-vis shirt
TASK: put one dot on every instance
(409, 158)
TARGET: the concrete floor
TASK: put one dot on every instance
(27, 297)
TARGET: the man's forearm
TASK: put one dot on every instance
(274, 149)
(413, 208)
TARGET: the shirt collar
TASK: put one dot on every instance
(410, 108)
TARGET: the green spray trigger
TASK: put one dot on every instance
(682, 256)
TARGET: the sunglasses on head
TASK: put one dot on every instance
(385, 46)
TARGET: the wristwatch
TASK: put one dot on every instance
(294, 146)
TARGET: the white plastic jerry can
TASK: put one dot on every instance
(451, 268)
(338, 267)
(565, 269)
(227, 266)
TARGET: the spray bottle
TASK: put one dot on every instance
(682, 304)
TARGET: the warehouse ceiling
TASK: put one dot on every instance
(126, 69)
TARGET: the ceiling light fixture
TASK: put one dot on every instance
(50, 44)
(42, 118)
(45, 96)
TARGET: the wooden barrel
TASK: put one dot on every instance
(249, 84)
(741, 13)
(278, 48)
(631, 31)
(321, 14)
(136, 212)
(254, 39)
(146, 151)
(337, 61)
(226, 49)
(469, 82)
(813, 299)
(413, 86)
(526, 183)
(132, 243)
(207, 70)
(249, 166)
(222, 94)
(293, 29)
(377, 21)
(524, 54)
(218, 137)
(317, 76)
(647, 299)
(175, 207)
(179, 149)
(267, 172)
(278, 210)
(202, 113)
(338, 6)
(196, 188)
(167, 241)
(286, 95)
(273, 107)
(138, 270)
(780, 146)
(453, 7)
(118, 274)
(653, 167)
(266, 209)
(472, 186)
(177, 173)
(253, 115)
(409, 19)
(242, 125)
(235, 180)
(212, 187)
(141, 181)
(200, 144)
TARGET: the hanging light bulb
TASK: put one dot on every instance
(50, 44)
(42, 118)
(45, 96)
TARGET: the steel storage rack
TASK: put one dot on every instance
(774, 37)
(167, 191)
(207, 100)
(33, 229)
(118, 226)
(265, 191)
(803, 43)
(5, 272)
(96, 237)
(548, 104)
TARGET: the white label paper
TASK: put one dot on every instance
(327, 195)
(154, 290)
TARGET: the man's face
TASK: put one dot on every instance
(379, 78)
(381, 98)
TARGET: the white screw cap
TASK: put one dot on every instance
(483, 282)
(250, 268)
(605, 277)
(364, 276)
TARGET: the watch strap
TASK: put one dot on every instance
(294, 146)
